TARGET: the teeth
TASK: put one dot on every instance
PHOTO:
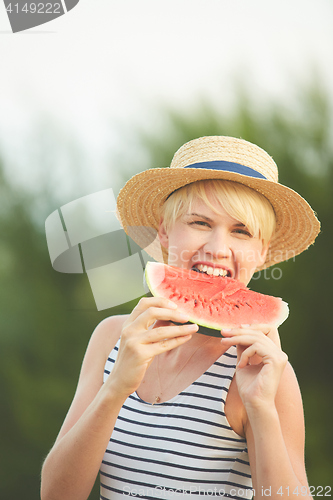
(211, 271)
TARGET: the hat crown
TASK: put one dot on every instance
(229, 149)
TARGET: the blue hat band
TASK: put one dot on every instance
(228, 166)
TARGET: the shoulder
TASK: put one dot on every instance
(102, 341)
(106, 335)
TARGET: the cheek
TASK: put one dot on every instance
(176, 247)
(250, 255)
(180, 237)
(182, 246)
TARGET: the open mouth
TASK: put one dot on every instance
(211, 271)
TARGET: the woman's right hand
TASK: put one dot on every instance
(141, 341)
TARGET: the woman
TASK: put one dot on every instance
(173, 415)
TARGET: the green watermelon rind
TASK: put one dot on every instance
(153, 268)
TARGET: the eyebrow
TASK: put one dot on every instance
(200, 216)
(208, 219)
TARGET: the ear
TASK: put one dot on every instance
(163, 235)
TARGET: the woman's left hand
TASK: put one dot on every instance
(260, 363)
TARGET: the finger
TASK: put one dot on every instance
(264, 328)
(153, 314)
(166, 333)
(246, 329)
(146, 302)
(247, 354)
(276, 357)
(268, 330)
(261, 346)
(247, 340)
(146, 317)
(264, 346)
(170, 343)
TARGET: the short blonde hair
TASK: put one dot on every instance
(241, 202)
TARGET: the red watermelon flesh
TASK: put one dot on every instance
(213, 301)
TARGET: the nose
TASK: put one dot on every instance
(218, 245)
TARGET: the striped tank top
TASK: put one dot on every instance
(181, 448)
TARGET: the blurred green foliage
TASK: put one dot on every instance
(47, 317)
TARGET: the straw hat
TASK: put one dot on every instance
(140, 201)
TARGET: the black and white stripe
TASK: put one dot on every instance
(181, 448)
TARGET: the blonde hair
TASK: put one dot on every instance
(241, 202)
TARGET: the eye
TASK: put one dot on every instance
(199, 223)
(242, 231)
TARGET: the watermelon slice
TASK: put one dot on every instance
(213, 301)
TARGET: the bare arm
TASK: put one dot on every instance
(70, 469)
(275, 437)
(274, 423)
(72, 465)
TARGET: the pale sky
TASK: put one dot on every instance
(108, 61)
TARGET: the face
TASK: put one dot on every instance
(213, 243)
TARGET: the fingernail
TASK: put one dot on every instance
(245, 326)
(226, 329)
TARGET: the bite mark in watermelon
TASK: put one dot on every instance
(213, 301)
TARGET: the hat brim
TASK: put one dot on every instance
(140, 200)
